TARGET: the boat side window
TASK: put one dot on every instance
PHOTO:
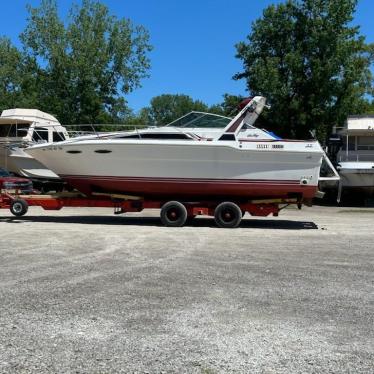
(227, 137)
(158, 136)
(40, 134)
(14, 130)
(127, 137)
(365, 143)
(58, 136)
(167, 136)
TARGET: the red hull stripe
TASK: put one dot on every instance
(186, 187)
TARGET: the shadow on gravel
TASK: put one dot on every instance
(155, 221)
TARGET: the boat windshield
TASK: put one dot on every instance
(13, 130)
(202, 120)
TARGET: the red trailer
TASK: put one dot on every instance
(227, 214)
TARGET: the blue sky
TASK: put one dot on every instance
(193, 41)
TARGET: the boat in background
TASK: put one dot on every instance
(352, 148)
(20, 128)
(175, 162)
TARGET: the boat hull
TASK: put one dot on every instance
(358, 176)
(17, 161)
(203, 170)
(186, 188)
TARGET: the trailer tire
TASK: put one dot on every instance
(228, 215)
(19, 207)
(173, 214)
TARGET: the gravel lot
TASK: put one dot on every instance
(82, 291)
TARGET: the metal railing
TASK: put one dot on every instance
(357, 157)
(15, 134)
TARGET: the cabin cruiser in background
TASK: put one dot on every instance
(352, 149)
(180, 162)
(20, 128)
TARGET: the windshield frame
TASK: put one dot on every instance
(198, 117)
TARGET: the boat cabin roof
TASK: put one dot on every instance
(30, 115)
(359, 125)
(13, 121)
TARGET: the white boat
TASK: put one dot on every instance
(20, 128)
(172, 162)
(356, 157)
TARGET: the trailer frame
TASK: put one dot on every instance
(173, 212)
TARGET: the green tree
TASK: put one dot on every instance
(370, 108)
(310, 62)
(82, 69)
(229, 106)
(166, 108)
(10, 82)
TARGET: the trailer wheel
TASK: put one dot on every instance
(173, 214)
(227, 215)
(19, 207)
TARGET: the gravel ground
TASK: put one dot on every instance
(82, 291)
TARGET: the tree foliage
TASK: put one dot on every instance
(229, 106)
(311, 64)
(78, 70)
(166, 108)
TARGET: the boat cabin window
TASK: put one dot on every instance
(40, 134)
(14, 130)
(158, 136)
(166, 136)
(365, 143)
(58, 137)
